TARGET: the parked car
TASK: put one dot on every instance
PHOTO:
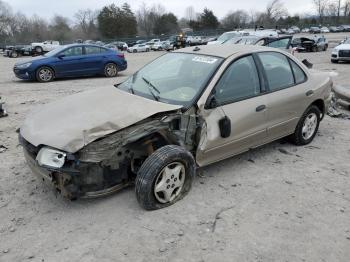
(18, 50)
(324, 29)
(290, 31)
(283, 42)
(139, 48)
(341, 52)
(164, 45)
(46, 46)
(122, 46)
(152, 42)
(333, 29)
(295, 29)
(194, 40)
(305, 30)
(111, 46)
(306, 44)
(224, 37)
(188, 109)
(72, 61)
(314, 30)
(345, 28)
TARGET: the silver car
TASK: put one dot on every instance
(184, 110)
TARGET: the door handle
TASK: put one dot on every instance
(309, 93)
(260, 108)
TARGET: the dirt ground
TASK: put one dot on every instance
(276, 203)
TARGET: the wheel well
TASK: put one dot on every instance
(320, 104)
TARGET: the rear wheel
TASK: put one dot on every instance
(45, 74)
(39, 49)
(325, 48)
(111, 70)
(307, 126)
(134, 51)
(334, 61)
(314, 49)
(165, 177)
(14, 54)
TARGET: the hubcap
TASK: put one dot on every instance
(45, 74)
(309, 126)
(169, 182)
(111, 70)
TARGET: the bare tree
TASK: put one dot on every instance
(236, 19)
(275, 10)
(190, 14)
(147, 17)
(86, 23)
(321, 6)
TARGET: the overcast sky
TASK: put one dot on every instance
(47, 8)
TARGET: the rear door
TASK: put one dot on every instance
(286, 96)
(239, 98)
(94, 59)
(69, 62)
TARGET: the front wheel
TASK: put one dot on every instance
(39, 50)
(307, 126)
(111, 70)
(165, 177)
(45, 74)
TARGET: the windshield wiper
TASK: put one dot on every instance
(151, 87)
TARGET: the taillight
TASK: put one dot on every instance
(121, 55)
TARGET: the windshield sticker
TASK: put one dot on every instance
(204, 59)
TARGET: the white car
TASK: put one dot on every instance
(324, 30)
(152, 42)
(139, 48)
(45, 46)
(225, 37)
(341, 52)
(194, 40)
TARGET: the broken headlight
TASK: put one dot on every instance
(51, 157)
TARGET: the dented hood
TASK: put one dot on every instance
(77, 120)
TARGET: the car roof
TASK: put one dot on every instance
(223, 51)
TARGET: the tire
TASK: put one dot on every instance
(314, 49)
(110, 70)
(307, 126)
(147, 50)
(39, 50)
(334, 61)
(181, 167)
(14, 54)
(45, 74)
(325, 48)
(134, 51)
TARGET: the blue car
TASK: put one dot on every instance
(72, 61)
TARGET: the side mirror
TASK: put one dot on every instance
(225, 127)
(60, 56)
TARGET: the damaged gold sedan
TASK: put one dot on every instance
(184, 110)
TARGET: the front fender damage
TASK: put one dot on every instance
(111, 163)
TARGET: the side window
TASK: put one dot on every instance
(278, 72)
(239, 81)
(298, 73)
(281, 43)
(90, 50)
(73, 51)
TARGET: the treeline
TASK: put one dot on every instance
(113, 21)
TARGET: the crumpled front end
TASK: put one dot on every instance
(112, 162)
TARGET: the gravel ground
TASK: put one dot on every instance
(275, 203)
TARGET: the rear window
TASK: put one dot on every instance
(299, 74)
(278, 72)
(90, 50)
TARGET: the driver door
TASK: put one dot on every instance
(238, 98)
